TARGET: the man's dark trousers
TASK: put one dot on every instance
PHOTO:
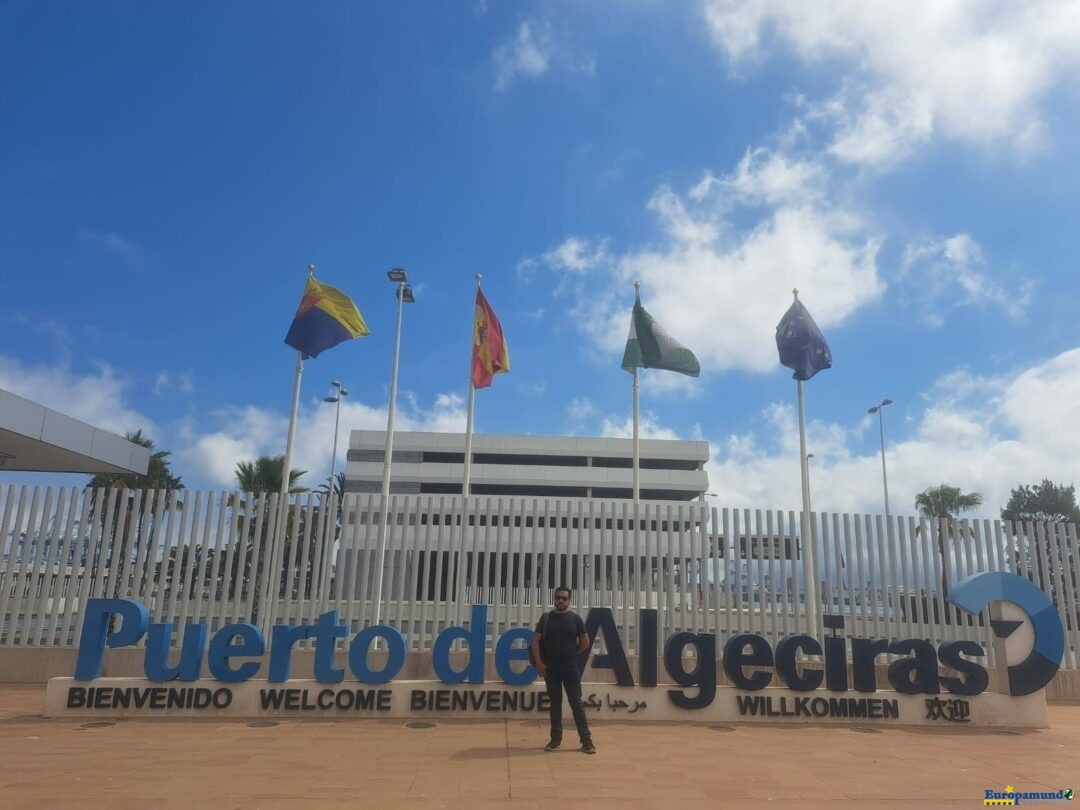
(560, 676)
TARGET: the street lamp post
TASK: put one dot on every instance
(808, 457)
(879, 410)
(330, 521)
(404, 296)
(341, 394)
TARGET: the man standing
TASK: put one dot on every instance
(559, 639)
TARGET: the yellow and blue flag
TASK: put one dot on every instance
(325, 318)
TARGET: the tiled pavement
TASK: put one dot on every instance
(494, 764)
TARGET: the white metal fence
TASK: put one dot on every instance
(211, 557)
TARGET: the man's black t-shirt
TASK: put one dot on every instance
(560, 632)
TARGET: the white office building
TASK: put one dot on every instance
(527, 492)
(528, 466)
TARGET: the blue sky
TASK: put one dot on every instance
(167, 174)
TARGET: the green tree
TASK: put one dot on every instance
(339, 494)
(1045, 502)
(264, 475)
(158, 476)
(945, 503)
(1051, 504)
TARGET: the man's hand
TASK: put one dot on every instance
(541, 667)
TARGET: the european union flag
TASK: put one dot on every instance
(801, 345)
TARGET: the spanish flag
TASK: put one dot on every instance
(490, 354)
(325, 318)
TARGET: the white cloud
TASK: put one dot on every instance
(718, 291)
(528, 54)
(981, 434)
(118, 245)
(533, 51)
(576, 255)
(580, 409)
(536, 388)
(97, 398)
(765, 177)
(181, 381)
(938, 274)
(975, 72)
(649, 427)
(56, 331)
(249, 431)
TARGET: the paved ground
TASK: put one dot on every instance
(479, 765)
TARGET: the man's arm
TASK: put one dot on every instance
(583, 642)
(541, 667)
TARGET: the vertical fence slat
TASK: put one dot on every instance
(173, 564)
(443, 568)
(17, 629)
(358, 560)
(161, 582)
(9, 539)
(246, 562)
(703, 589)
(55, 571)
(203, 556)
(80, 570)
(1048, 542)
(231, 541)
(843, 570)
(69, 575)
(733, 574)
(418, 592)
(1071, 563)
(401, 518)
(906, 586)
(314, 520)
(15, 559)
(286, 605)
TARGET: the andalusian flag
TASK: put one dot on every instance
(649, 346)
(490, 354)
(325, 318)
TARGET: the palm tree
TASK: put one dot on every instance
(159, 476)
(944, 503)
(264, 475)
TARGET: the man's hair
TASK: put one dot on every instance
(563, 588)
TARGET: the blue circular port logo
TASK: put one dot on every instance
(1033, 673)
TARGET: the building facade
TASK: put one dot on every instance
(528, 466)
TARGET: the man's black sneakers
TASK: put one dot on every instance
(553, 745)
(589, 748)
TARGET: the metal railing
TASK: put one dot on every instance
(211, 557)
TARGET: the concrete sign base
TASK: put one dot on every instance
(137, 697)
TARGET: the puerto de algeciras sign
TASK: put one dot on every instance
(252, 678)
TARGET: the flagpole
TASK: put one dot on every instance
(810, 579)
(637, 438)
(384, 521)
(637, 443)
(283, 494)
(472, 399)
